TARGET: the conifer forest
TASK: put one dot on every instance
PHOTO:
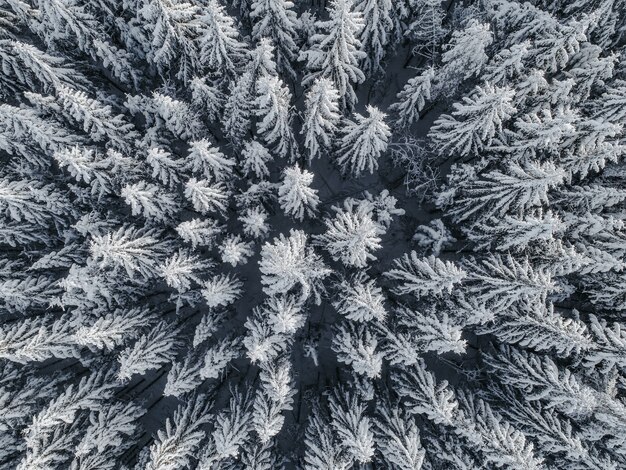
(312, 235)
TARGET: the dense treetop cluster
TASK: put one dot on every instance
(209, 260)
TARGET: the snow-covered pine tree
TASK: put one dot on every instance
(360, 299)
(182, 269)
(481, 119)
(335, 51)
(295, 195)
(275, 19)
(466, 53)
(272, 107)
(352, 427)
(235, 251)
(171, 32)
(150, 351)
(254, 223)
(255, 159)
(321, 116)
(221, 290)
(425, 276)
(208, 161)
(218, 40)
(206, 197)
(134, 250)
(426, 28)
(412, 98)
(364, 140)
(376, 34)
(498, 193)
(356, 346)
(176, 445)
(352, 234)
(238, 109)
(398, 439)
(288, 262)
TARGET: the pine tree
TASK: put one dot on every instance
(542, 379)
(499, 193)
(425, 276)
(412, 98)
(38, 339)
(134, 250)
(352, 427)
(209, 161)
(276, 20)
(255, 223)
(108, 435)
(352, 234)
(95, 118)
(434, 237)
(482, 117)
(208, 325)
(515, 234)
(172, 36)
(58, 21)
(166, 169)
(426, 28)
(177, 116)
(90, 393)
(114, 329)
(149, 200)
(24, 125)
(284, 314)
(608, 344)
(363, 142)
(466, 55)
(263, 63)
(221, 290)
(235, 251)
(426, 332)
(272, 106)
(262, 343)
(182, 269)
(232, 429)
(506, 280)
(35, 69)
(207, 95)
(360, 299)
(238, 109)
(206, 197)
(199, 232)
(356, 346)
(376, 34)
(295, 195)
(150, 351)
(422, 395)
(321, 116)
(398, 438)
(540, 328)
(507, 65)
(274, 397)
(498, 441)
(255, 159)
(335, 51)
(220, 48)
(176, 445)
(288, 262)
(218, 357)
(323, 452)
